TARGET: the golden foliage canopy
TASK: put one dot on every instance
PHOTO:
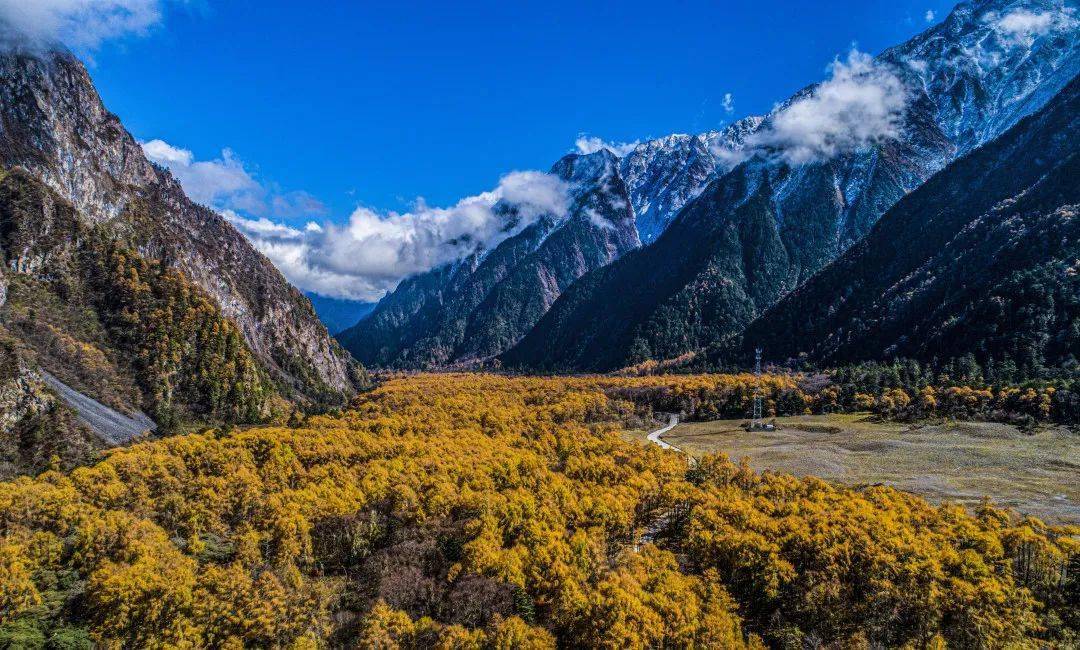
(485, 511)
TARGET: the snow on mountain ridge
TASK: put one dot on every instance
(987, 64)
(664, 174)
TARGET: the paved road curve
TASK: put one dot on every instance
(111, 426)
(654, 437)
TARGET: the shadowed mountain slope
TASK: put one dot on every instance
(984, 259)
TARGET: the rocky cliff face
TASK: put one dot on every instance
(53, 124)
(474, 309)
(765, 227)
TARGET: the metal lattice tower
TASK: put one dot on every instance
(756, 422)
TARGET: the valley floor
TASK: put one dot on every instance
(485, 511)
(956, 461)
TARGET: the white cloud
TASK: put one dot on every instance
(167, 155)
(263, 228)
(728, 103)
(861, 104)
(929, 16)
(587, 144)
(224, 183)
(598, 220)
(80, 24)
(372, 252)
(296, 204)
(1021, 26)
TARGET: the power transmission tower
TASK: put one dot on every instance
(756, 422)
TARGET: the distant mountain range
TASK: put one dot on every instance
(470, 311)
(768, 225)
(338, 313)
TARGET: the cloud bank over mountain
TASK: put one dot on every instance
(373, 251)
(370, 253)
(860, 104)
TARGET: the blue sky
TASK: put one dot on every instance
(379, 103)
(356, 143)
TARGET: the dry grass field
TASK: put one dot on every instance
(957, 461)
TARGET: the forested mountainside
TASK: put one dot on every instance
(767, 226)
(127, 331)
(478, 307)
(54, 126)
(984, 259)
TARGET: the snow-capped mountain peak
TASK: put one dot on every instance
(990, 63)
(966, 79)
(664, 174)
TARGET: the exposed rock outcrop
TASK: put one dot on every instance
(53, 124)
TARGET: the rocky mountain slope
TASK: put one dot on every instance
(37, 431)
(54, 126)
(665, 174)
(478, 307)
(122, 329)
(767, 226)
(983, 259)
